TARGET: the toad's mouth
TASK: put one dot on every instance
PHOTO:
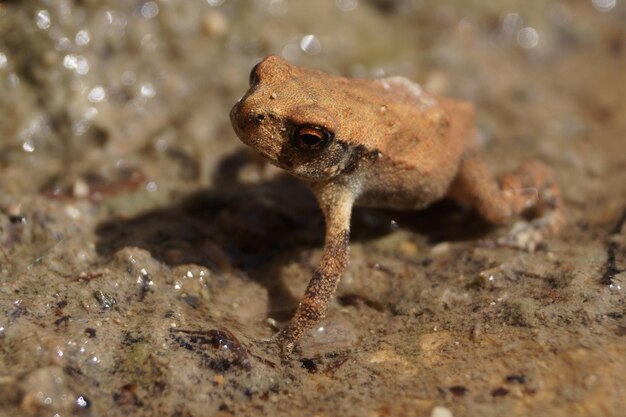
(235, 117)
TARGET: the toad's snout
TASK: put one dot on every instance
(236, 119)
(244, 118)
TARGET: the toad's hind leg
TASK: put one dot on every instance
(530, 187)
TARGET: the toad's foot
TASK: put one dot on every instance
(530, 189)
(526, 235)
(286, 343)
(277, 345)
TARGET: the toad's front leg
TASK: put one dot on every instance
(336, 204)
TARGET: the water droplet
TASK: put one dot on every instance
(3, 60)
(62, 44)
(82, 38)
(278, 8)
(291, 52)
(149, 10)
(128, 78)
(81, 402)
(77, 63)
(147, 90)
(90, 113)
(604, 5)
(43, 19)
(13, 80)
(215, 3)
(151, 187)
(311, 45)
(560, 14)
(70, 61)
(96, 95)
(378, 72)
(28, 146)
(80, 127)
(528, 37)
(511, 23)
(347, 5)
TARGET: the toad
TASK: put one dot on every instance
(379, 143)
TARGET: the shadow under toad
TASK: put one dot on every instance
(259, 228)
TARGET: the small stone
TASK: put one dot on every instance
(80, 189)
(439, 411)
(14, 210)
(106, 300)
(440, 249)
(408, 248)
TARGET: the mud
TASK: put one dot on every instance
(146, 258)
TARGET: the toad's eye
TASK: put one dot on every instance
(311, 138)
(254, 77)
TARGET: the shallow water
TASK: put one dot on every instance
(146, 256)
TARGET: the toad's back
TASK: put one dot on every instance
(412, 141)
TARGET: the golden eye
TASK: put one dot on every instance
(311, 138)
(254, 77)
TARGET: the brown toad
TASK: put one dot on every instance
(378, 143)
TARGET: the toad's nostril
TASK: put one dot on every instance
(259, 118)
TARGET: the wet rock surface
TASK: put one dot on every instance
(146, 258)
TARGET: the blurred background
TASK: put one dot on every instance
(93, 88)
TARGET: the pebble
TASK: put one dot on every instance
(14, 210)
(80, 188)
(440, 249)
(439, 411)
(408, 248)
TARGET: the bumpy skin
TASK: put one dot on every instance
(377, 143)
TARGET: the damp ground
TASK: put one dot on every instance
(146, 257)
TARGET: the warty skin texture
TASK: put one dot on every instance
(377, 143)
